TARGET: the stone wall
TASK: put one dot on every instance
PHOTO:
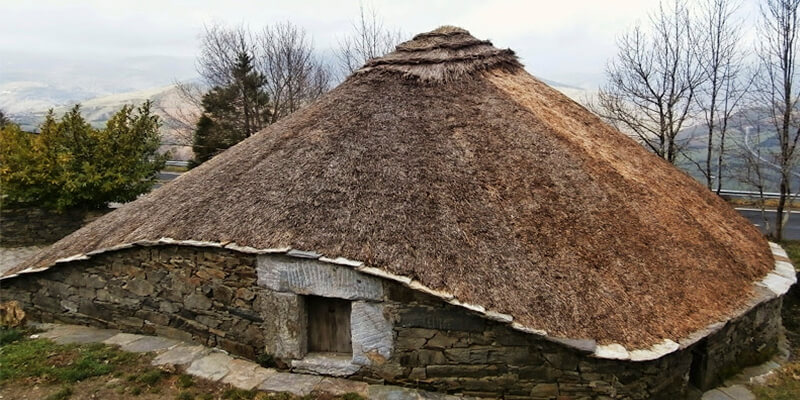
(748, 340)
(252, 305)
(35, 226)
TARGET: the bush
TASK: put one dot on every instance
(9, 335)
(71, 164)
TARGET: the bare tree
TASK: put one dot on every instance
(219, 47)
(180, 115)
(283, 53)
(722, 67)
(754, 171)
(369, 39)
(653, 80)
(294, 75)
(776, 92)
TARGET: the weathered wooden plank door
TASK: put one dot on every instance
(328, 325)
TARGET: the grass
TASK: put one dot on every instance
(174, 168)
(42, 369)
(54, 363)
(784, 385)
(792, 248)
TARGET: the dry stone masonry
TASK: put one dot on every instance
(34, 226)
(254, 305)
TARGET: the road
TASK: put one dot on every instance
(792, 231)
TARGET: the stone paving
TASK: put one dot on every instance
(216, 365)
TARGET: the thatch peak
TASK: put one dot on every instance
(445, 54)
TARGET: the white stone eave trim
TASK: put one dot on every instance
(776, 283)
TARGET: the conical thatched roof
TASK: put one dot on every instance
(447, 163)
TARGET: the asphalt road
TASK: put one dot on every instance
(792, 231)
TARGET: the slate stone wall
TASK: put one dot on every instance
(252, 305)
(34, 226)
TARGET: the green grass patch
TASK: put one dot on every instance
(9, 335)
(239, 394)
(56, 363)
(150, 377)
(62, 394)
(792, 248)
(174, 168)
(184, 381)
(784, 385)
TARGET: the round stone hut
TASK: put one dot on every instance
(443, 220)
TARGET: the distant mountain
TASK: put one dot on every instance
(28, 108)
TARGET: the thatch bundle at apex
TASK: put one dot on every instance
(445, 220)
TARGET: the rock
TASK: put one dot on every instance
(11, 314)
(371, 333)
(326, 364)
(212, 367)
(297, 384)
(245, 294)
(197, 301)
(167, 307)
(306, 276)
(545, 390)
(181, 355)
(122, 339)
(441, 341)
(381, 392)
(338, 387)
(246, 375)
(149, 344)
(139, 287)
(74, 334)
(222, 293)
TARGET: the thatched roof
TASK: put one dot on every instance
(447, 163)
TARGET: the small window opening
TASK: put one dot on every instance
(328, 325)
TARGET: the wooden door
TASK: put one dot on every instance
(328, 325)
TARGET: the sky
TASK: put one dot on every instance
(111, 45)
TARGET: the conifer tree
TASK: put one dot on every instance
(70, 164)
(233, 112)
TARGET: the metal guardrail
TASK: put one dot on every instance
(176, 163)
(748, 193)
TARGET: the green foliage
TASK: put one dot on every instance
(233, 112)
(71, 164)
(62, 394)
(58, 363)
(150, 377)
(239, 394)
(4, 120)
(185, 381)
(9, 335)
(266, 360)
(184, 396)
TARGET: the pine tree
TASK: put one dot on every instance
(4, 120)
(71, 164)
(233, 112)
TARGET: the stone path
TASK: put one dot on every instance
(11, 256)
(216, 365)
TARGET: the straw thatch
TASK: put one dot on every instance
(474, 178)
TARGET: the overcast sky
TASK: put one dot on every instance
(568, 41)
